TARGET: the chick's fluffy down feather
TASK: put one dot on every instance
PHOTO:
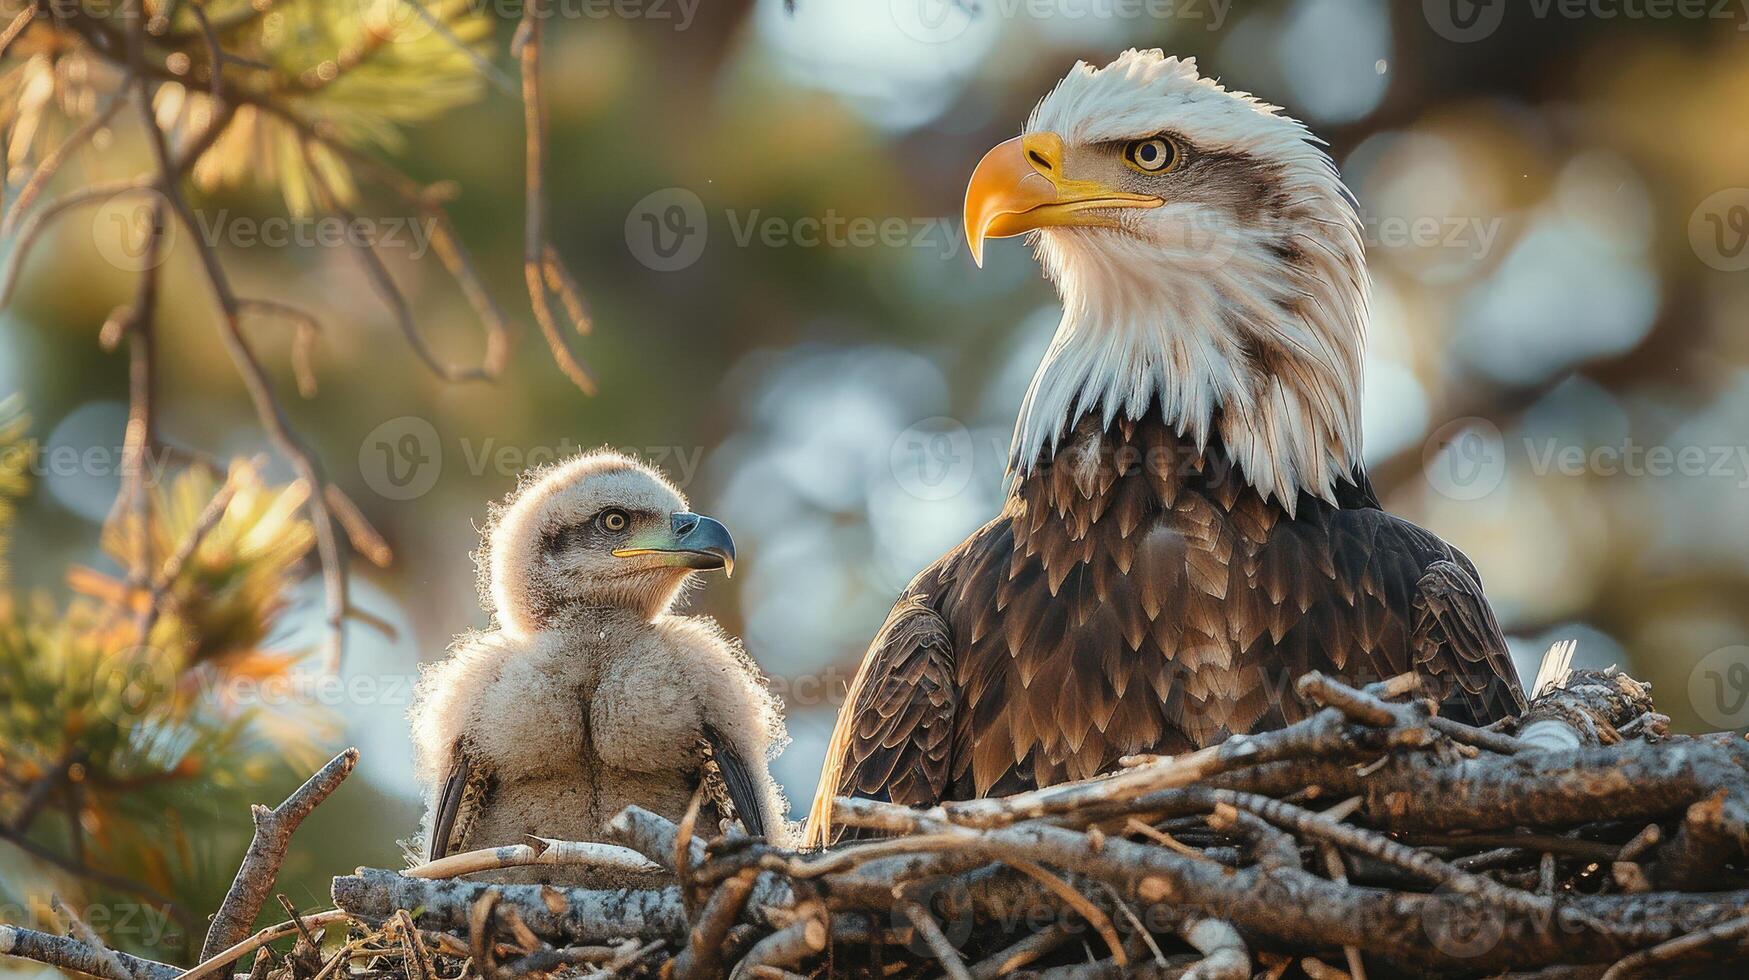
(575, 723)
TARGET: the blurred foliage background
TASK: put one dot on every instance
(760, 206)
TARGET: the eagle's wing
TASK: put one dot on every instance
(1414, 587)
(458, 806)
(893, 736)
(1458, 647)
(731, 784)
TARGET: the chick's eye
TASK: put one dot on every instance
(614, 519)
(1151, 156)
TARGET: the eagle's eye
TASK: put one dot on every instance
(613, 520)
(1154, 155)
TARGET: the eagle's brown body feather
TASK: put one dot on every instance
(1136, 595)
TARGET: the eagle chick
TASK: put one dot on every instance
(588, 694)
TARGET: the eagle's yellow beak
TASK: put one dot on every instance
(1019, 186)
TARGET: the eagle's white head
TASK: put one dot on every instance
(1208, 258)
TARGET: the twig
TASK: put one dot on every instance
(71, 954)
(535, 247)
(704, 945)
(930, 932)
(16, 28)
(218, 963)
(85, 934)
(1696, 946)
(1023, 953)
(538, 851)
(1100, 922)
(786, 947)
(273, 834)
(1224, 956)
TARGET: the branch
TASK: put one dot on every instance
(538, 851)
(536, 253)
(71, 954)
(273, 834)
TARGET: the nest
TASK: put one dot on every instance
(1372, 839)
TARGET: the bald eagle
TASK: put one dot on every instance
(1188, 527)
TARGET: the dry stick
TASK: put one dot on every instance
(1100, 922)
(273, 834)
(480, 932)
(85, 934)
(1379, 846)
(33, 227)
(930, 932)
(1166, 840)
(1021, 954)
(267, 408)
(305, 329)
(451, 253)
(1317, 969)
(359, 531)
(14, 29)
(702, 956)
(218, 964)
(534, 243)
(1224, 954)
(383, 282)
(1386, 923)
(569, 915)
(71, 954)
(559, 281)
(1693, 947)
(786, 947)
(1481, 738)
(142, 426)
(848, 857)
(537, 851)
(1136, 923)
(297, 919)
(1548, 843)
(1324, 734)
(1339, 873)
(654, 836)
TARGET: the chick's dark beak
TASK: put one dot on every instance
(691, 541)
(704, 542)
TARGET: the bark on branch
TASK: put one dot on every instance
(235, 919)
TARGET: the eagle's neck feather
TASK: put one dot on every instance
(1260, 350)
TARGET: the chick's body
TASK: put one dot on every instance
(550, 724)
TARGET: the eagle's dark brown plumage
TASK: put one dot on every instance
(1138, 596)
(1189, 529)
